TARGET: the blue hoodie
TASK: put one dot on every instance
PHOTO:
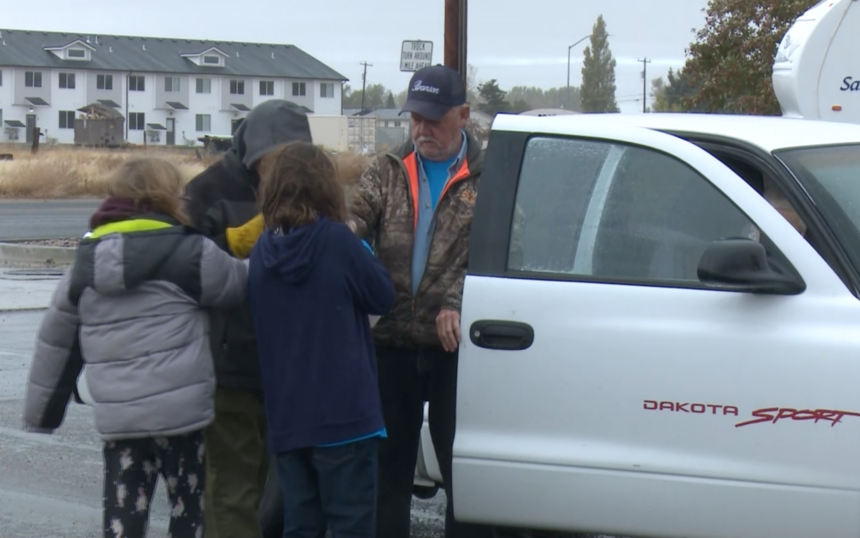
(310, 291)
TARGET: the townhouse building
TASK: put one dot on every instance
(170, 91)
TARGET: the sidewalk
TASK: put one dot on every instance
(20, 293)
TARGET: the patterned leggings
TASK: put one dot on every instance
(132, 468)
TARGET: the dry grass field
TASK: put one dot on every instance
(68, 172)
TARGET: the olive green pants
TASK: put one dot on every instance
(236, 465)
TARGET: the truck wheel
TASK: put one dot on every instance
(425, 492)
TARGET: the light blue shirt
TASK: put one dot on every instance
(433, 176)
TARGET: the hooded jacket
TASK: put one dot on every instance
(131, 308)
(225, 196)
(311, 291)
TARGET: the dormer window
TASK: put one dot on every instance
(76, 51)
(212, 57)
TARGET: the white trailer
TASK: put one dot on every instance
(816, 72)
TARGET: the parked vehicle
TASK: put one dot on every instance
(634, 361)
(815, 72)
(650, 348)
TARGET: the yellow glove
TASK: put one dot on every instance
(242, 239)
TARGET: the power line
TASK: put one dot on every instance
(645, 62)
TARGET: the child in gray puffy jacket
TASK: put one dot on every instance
(131, 308)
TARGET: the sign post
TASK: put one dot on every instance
(416, 55)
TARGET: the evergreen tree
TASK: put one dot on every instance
(389, 103)
(597, 92)
(493, 98)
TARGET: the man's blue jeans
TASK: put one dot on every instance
(332, 487)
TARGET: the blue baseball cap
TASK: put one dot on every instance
(433, 91)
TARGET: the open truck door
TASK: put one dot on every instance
(618, 372)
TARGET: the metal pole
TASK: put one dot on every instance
(645, 62)
(567, 99)
(462, 27)
(568, 67)
(452, 34)
(364, 83)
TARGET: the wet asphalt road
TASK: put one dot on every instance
(48, 219)
(51, 486)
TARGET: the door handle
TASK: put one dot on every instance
(500, 334)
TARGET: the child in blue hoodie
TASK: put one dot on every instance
(312, 286)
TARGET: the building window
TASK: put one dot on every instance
(137, 83)
(212, 60)
(237, 87)
(67, 119)
(171, 84)
(104, 82)
(267, 87)
(76, 53)
(326, 89)
(1, 77)
(67, 81)
(136, 121)
(204, 123)
(299, 89)
(204, 85)
(33, 79)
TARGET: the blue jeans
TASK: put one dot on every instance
(330, 486)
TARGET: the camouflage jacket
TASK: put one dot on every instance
(384, 210)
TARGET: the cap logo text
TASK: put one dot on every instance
(420, 87)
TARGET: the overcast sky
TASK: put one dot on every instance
(518, 43)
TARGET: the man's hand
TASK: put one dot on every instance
(448, 328)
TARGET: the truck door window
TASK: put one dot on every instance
(615, 212)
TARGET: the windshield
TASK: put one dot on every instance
(831, 176)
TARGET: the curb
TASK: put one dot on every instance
(12, 253)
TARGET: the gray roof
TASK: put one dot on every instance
(391, 114)
(26, 48)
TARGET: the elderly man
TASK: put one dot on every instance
(415, 206)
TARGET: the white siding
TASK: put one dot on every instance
(327, 105)
(48, 118)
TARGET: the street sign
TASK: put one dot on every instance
(416, 55)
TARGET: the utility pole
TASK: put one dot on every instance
(364, 83)
(645, 62)
(456, 26)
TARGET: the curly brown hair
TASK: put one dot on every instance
(298, 184)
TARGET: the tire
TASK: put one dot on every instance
(425, 492)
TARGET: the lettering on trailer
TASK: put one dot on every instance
(765, 415)
(416, 55)
(850, 85)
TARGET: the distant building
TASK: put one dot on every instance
(169, 90)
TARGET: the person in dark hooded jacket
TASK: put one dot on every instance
(311, 287)
(221, 198)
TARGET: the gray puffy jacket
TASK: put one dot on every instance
(131, 308)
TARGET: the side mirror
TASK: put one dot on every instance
(743, 265)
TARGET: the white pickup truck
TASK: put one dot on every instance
(652, 349)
